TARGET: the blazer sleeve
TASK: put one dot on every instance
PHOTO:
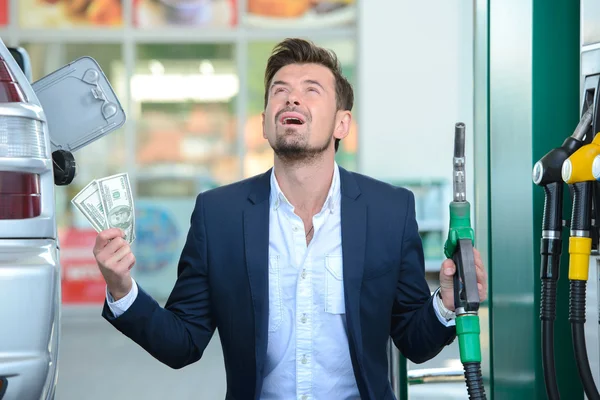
(415, 329)
(177, 334)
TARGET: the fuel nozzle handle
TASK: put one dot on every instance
(581, 221)
(466, 291)
(578, 167)
(577, 171)
(547, 173)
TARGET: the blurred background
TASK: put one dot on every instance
(189, 74)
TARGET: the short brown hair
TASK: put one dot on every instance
(300, 51)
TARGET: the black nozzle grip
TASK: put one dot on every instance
(550, 251)
(581, 217)
(552, 218)
(466, 291)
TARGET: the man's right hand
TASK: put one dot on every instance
(115, 260)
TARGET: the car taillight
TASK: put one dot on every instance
(20, 137)
(10, 90)
(20, 195)
(3, 386)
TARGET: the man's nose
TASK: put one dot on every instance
(293, 99)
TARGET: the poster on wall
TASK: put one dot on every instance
(70, 13)
(3, 12)
(194, 13)
(300, 13)
(162, 226)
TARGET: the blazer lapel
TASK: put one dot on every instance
(256, 238)
(354, 235)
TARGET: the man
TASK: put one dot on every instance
(306, 270)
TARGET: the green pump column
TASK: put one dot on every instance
(533, 105)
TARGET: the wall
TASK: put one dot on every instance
(410, 58)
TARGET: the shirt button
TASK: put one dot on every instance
(303, 319)
(303, 274)
(304, 397)
(304, 359)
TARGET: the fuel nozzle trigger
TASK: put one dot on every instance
(466, 290)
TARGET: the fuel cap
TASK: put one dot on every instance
(64, 167)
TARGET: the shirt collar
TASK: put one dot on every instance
(277, 198)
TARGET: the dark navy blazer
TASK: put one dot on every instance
(223, 283)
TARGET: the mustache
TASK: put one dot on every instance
(292, 109)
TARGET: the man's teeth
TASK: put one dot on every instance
(294, 121)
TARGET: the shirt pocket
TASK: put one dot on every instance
(334, 285)
(275, 301)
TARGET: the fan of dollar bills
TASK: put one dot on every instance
(107, 203)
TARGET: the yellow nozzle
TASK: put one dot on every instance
(578, 167)
(580, 249)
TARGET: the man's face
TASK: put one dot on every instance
(301, 117)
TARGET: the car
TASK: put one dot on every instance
(42, 125)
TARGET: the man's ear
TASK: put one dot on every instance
(262, 114)
(342, 124)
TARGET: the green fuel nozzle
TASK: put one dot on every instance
(459, 244)
(459, 247)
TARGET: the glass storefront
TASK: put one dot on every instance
(192, 86)
(193, 99)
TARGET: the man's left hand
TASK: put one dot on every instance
(447, 283)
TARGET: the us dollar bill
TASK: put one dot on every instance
(117, 202)
(89, 202)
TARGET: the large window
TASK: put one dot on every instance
(190, 78)
(184, 108)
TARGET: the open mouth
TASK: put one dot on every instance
(292, 121)
(291, 118)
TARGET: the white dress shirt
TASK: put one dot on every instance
(308, 354)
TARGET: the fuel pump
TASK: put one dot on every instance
(547, 174)
(577, 172)
(459, 247)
